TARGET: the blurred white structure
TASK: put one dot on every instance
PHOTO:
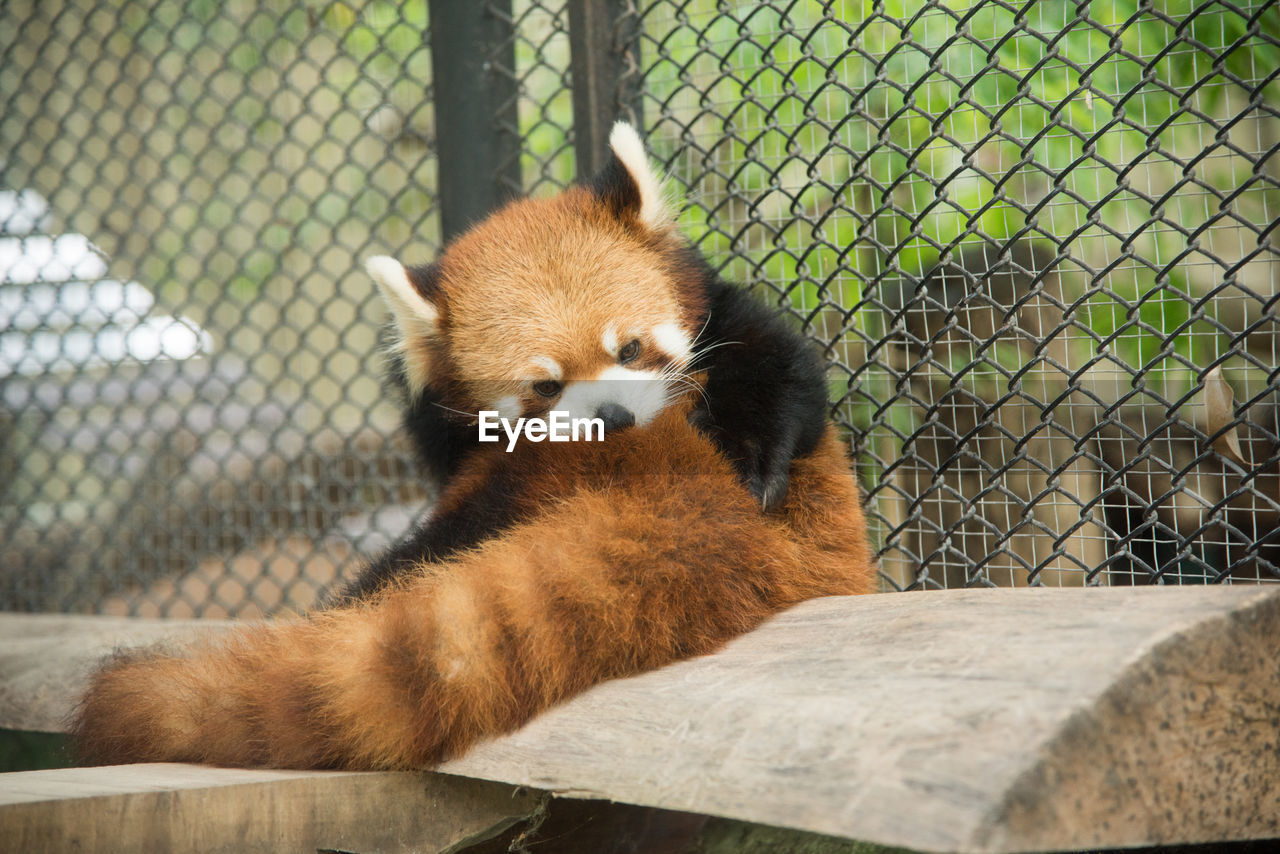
(58, 310)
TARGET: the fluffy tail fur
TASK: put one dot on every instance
(617, 576)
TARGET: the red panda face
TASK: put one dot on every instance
(553, 305)
(579, 303)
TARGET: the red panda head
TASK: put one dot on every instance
(588, 302)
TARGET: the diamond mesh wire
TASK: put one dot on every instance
(541, 33)
(1038, 241)
(230, 164)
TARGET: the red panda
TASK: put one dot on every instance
(591, 304)
(554, 566)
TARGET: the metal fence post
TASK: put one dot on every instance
(604, 43)
(477, 128)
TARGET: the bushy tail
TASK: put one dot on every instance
(608, 583)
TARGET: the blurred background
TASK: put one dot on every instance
(1037, 241)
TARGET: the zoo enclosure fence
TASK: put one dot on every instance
(1036, 240)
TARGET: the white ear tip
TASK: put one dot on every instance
(385, 270)
(628, 148)
(397, 290)
(624, 140)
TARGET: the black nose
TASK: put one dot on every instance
(615, 417)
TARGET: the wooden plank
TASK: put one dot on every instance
(984, 720)
(46, 658)
(190, 808)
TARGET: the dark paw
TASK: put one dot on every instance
(766, 475)
(773, 487)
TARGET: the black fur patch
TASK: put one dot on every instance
(616, 189)
(425, 279)
(487, 513)
(765, 398)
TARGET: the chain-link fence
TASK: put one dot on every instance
(1038, 241)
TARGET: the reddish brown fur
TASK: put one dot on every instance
(561, 269)
(648, 550)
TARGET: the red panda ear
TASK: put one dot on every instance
(629, 185)
(417, 319)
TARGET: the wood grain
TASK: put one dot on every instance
(190, 808)
(45, 659)
(982, 720)
(952, 721)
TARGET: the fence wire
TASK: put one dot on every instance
(1037, 240)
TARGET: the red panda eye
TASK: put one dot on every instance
(548, 388)
(629, 352)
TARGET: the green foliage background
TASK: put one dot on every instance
(839, 150)
(242, 157)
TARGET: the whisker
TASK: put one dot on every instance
(698, 337)
(717, 345)
(473, 415)
(705, 350)
(673, 376)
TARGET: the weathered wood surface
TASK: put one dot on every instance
(984, 720)
(46, 658)
(190, 808)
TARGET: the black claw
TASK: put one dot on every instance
(773, 489)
